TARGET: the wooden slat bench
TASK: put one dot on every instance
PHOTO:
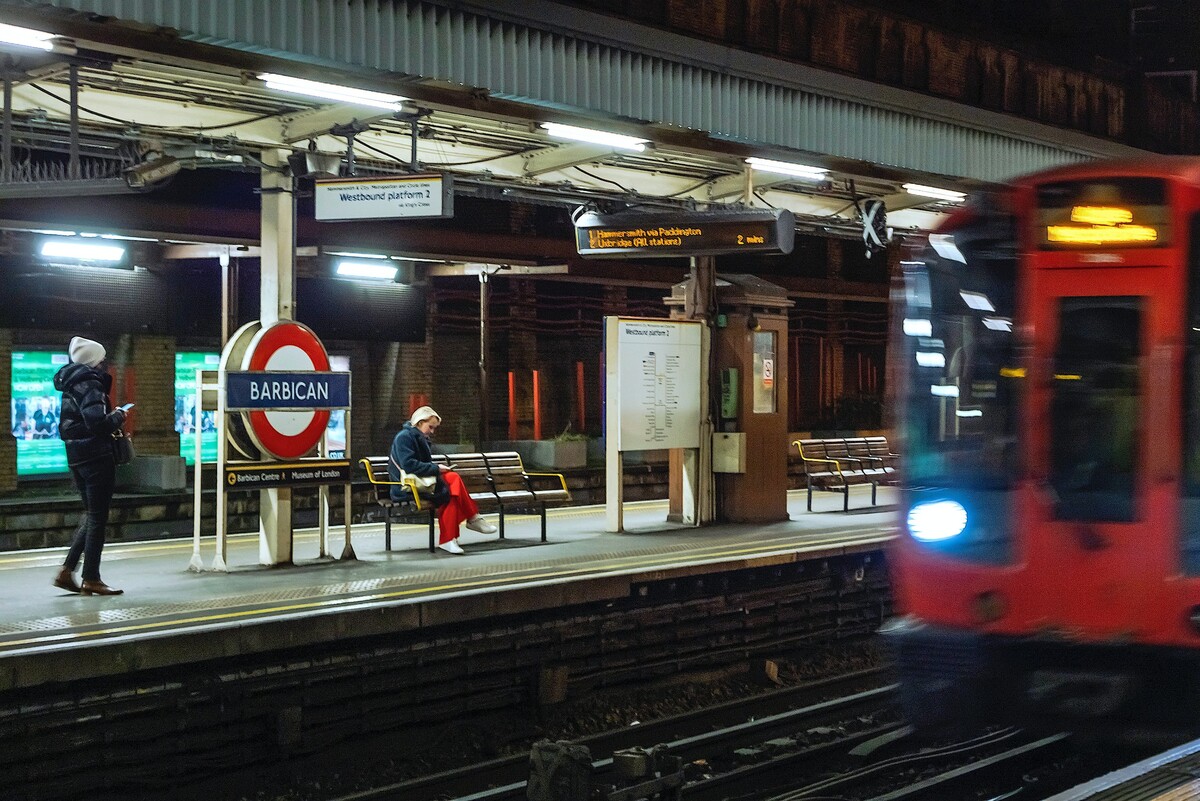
(496, 481)
(835, 465)
(418, 500)
(517, 488)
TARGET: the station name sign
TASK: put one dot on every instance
(685, 234)
(266, 476)
(393, 198)
(286, 390)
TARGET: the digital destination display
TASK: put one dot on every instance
(1113, 212)
(685, 234)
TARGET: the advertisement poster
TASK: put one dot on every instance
(336, 431)
(35, 405)
(186, 365)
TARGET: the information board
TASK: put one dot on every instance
(671, 233)
(653, 370)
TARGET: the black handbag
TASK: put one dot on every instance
(122, 447)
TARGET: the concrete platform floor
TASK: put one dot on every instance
(320, 599)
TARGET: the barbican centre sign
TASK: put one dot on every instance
(286, 390)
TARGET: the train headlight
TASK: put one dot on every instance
(935, 521)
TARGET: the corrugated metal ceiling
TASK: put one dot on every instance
(537, 61)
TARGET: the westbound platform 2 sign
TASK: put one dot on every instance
(671, 233)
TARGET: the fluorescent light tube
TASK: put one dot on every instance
(26, 37)
(786, 168)
(329, 91)
(938, 194)
(81, 251)
(596, 137)
(363, 269)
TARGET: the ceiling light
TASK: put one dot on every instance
(329, 91)
(26, 37)
(933, 192)
(786, 168)
(596, 137)
(375, 271)
(81, 251)
(349, 255)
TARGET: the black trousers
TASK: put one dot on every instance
(95, 480)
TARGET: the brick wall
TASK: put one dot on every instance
(146, 373)
(892, 49)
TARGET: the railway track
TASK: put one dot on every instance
(860, 695)
(838, 738)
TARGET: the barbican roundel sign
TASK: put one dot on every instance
(278, 378)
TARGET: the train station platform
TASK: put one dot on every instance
(171, 616)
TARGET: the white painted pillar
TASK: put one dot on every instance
(277, 302)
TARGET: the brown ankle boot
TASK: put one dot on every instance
(65, 580)
(98, 588)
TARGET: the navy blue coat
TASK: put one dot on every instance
(85, 422)
(411, 453)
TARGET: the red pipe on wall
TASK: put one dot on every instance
(537, 406)
(512, 405)
(581, 401)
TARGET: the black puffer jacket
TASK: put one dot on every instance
(85, 423)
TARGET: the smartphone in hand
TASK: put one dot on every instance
(126, 406)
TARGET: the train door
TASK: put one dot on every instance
(1101, 550)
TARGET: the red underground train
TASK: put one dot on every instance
(1048, 568)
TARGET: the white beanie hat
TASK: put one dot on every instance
(86, 351)
(424, 413)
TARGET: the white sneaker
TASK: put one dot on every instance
(451, 547)
(477, 523)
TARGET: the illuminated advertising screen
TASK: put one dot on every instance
(35, 405)
(186, 365)
(336, 431)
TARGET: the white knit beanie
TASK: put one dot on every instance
(86, 351)
(424, 413)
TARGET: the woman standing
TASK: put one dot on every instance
(86, 425)
(411, 454)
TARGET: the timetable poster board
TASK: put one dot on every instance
(186, 422)
(653, 369)
(35, 407)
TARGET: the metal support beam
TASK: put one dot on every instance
(318, 122)
(549, 159)
(740, 184)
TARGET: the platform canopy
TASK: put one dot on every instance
(470, 88)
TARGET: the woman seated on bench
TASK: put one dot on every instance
(411, 455)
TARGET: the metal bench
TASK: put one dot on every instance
(835, 465)
(419, 499)
(494, 481)
(517, 488)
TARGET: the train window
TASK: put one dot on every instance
(1191, 418)
(1094, 408)
(962, 369)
